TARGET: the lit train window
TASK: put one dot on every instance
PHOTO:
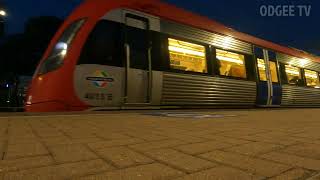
(273, 72)
(262, 70)
(187, 56)
(293, 75)
(311, 78)
(231, 64)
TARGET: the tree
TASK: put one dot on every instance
(20, 53)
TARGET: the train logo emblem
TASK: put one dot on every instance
(100, 79)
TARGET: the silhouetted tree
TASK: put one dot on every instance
(20, 53)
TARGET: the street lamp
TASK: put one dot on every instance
(3, 12)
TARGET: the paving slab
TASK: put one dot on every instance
(186, 138)
(48, 133)
(147, 136)
(254, 148)
(25, 163)
(86, 140)
(314, 177)
(221, 173)
(115, 142)
(198, 148)
(180, 160)
(143, 172)
(296, 173)
(112, 136)
(157, 144)
(281, 140)
(16, 151)
(305, 150)
(293, 160)
(56, 141)
(123, 157)
(253, 165)
(312, 135)
(61, 172)
(23, 140)
(71, 153)
(220, 137)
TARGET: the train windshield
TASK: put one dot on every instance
(59, 51)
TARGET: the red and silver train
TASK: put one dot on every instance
(149, 54)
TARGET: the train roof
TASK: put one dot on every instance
(97, 8)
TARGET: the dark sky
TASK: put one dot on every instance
(300, 32)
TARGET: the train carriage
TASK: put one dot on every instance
(149, 54)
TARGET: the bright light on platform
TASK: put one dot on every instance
(3, 13)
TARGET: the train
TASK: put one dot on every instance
(148, 54)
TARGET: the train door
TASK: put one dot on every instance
(138, 72)
(269, 88)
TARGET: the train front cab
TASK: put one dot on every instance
(51, 88)
(115, 68)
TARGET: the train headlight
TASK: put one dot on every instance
(29, 100)
(61, 48)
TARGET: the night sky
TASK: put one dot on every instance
(300, 32)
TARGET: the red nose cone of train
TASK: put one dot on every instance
(56, 96)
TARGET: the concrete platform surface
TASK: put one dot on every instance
(277, 144)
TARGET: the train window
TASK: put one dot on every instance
(231, 64)
(187, 56)
(262, 69)
(103, 45)
(293, 75)
(311, 78)
(273, 72)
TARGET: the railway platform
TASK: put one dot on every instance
(167, 144)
